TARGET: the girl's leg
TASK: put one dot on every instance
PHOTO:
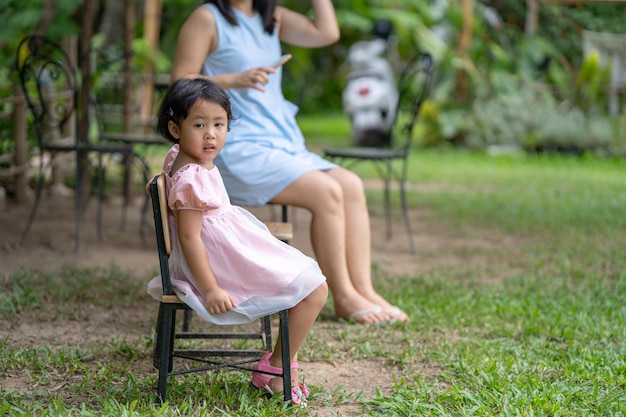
(358, 239)
(301, 319)
(323, 196)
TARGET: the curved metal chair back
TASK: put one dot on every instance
(48, 80)
(413, 87)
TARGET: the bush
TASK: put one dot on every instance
(531, 118)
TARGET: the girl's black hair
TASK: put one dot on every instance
(265, 8)
(181, 95)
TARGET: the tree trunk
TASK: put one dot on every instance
(465, 39)
(532, 17)
(152, 18)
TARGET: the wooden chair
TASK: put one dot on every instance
(209, 357)
(413, 87)
(51, 87)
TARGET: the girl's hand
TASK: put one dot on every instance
(254, 78)
(219, 301)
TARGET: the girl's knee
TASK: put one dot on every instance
(319, 295)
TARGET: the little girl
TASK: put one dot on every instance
(224, 263)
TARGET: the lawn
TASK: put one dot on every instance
(535, 331)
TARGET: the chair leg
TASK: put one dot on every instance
(127, 161)
(156, 361)
(166, 349)
(387, 203)
(405, 214)
(101, 182)
(144, 218)
(33, 210)
(187, 316)
(285, 353)
(146, 203)
(172, 337)
(81, 169)
(266, 329)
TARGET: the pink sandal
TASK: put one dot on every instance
(261, 380)
(301, 385)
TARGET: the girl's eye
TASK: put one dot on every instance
(219, 124)
(200, 125)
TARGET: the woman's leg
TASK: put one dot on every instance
(358, 238)
(323, 196)
(300, 321)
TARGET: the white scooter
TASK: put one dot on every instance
(371, 95)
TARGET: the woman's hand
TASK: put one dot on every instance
(218, 301)
(253, 78)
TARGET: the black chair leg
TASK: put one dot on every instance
(166, 346)
(285, 353)
(144, 224)
(266, 329)
(387, 209)
(407, 220)
(33, 210)
(156, 361)
(101, 183)
(81, 161)
(187, 315)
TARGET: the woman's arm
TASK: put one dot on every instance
(297, 29)
(196, 40)
(216, 299)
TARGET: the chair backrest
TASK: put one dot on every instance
(48, 80)
(162, 228)
(413, 87)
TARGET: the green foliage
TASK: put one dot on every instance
(529, 117)
(314, 79)
(21, 17)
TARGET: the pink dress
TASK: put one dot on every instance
(261, 273)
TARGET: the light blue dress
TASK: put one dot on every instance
(265, 149)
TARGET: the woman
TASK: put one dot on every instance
(237, 44)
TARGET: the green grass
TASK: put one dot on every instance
(532, 329)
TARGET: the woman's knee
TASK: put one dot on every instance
(351, 184)
(315, 191)
(327, 196)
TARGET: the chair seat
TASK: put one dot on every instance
(171, 299)
(281, 230)
(134, 138)
(88, 147)
(365, 153)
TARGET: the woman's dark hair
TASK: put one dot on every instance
(265, 8)
(181, 95)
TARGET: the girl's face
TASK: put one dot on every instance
(203, 133)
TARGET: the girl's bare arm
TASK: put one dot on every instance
(217, 300)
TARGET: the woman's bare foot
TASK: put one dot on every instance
(386, 307)
(361, 310)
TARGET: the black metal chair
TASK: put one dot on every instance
(119, 115)
(51, 87)
(208, 357)
(413, 88)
